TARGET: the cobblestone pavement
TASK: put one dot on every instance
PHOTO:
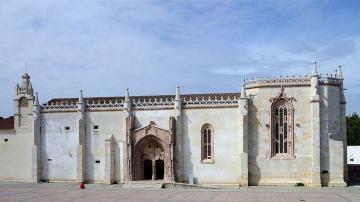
(54, 192)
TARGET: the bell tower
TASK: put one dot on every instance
(23, 104)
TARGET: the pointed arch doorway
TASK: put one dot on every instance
(151, 152)
(149, 158)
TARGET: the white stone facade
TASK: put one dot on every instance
(111, 139)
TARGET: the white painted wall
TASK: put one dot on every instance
(331, 139)
(262, 169)
(15, 155)
(225, 121)
(353, 155)
(59, 146)
(160, 117)
(110, 123)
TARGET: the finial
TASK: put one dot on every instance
(243, 93)
(81, 98)
(37, 98)
(339, 71)
(177, 95)
(127, 96)
(314, 70)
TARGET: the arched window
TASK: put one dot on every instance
(23, 102)
(207, 144)
(282, 116)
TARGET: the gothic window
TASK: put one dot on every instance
(282, 143)
(207, 144)
(23, 102)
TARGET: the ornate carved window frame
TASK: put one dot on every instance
(23, 102)
(207, 130)
(284, 104)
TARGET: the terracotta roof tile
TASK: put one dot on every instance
(7, 124)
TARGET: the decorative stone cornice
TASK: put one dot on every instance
(211, 100)
(275, 82)
(144, 102)
(327, 79)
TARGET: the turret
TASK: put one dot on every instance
(339, 73)
(23, 104)
(25, 87)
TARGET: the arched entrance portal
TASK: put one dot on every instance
(150, 159)
(150, 152)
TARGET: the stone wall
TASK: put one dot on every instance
(262, 169)
(15, 155)
(226, 124)
(59, 146)
(110, 123)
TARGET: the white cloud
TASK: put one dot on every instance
(234, 71)
(104, 47)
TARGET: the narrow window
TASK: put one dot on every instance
(67, 128)
(96, 127)
(207, 144)
(282, 130)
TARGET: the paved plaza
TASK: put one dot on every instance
(95, 192)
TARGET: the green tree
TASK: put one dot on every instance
(353, 129)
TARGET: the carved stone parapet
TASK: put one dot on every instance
(143, 102)
(282, 81)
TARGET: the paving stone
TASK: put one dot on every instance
(28, 192)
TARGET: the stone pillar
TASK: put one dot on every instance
(170, 173)
(179, 146)
(337, 138)
(343, 130)
(109, 160)
(315, 128)
(36, 152)
(343, 127)
(243, 108)
(153, 162)
(81, 147)
(129, 125)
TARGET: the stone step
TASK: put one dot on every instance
(143, 184)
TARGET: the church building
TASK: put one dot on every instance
(274, 131)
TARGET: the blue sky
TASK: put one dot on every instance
(104, 47)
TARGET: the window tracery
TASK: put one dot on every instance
(282, 116)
